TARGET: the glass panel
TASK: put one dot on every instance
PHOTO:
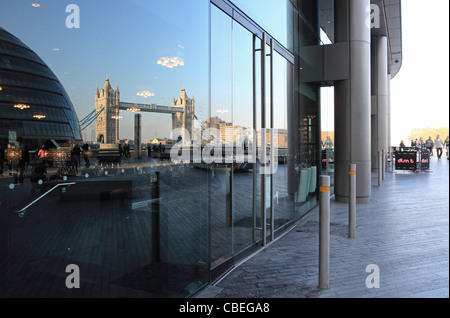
(245, 206)
(327, 135)
(134, 226)
(283, 202)
(221, 120)
(308, 150)
(274, 16)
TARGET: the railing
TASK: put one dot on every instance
(21, 212)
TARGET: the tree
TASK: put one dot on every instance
(427, 132)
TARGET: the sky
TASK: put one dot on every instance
(122, 40)
(125, 39)
(420, 91)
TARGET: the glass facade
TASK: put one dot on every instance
(231, 162)
(26, 80)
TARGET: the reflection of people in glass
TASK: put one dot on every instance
(126, 150)
(120, 151)
(41, 152)
(24, 161)
(86, 154)
(76, 152)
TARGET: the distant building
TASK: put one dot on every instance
(107, 124)
(163, 141)
(33, 103)
(184, 120)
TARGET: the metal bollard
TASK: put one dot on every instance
(380, 168)
(384, 165)
(391, 159)
(328, 161)
(352, 201)
(324, 231)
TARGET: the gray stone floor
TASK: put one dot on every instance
(404, 230)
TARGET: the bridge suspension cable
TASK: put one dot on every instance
(89, 119)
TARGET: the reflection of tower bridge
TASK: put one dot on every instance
(108, 107)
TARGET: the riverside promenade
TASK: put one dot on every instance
(403, 230)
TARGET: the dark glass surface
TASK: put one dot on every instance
(148, 226)
(26, 79)
(135, 227)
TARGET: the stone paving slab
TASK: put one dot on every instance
(404, 230)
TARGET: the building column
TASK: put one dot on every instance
(379, 74)
(389, 127)
(137, 136)
(352, 101)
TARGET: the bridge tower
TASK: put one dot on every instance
(184, 120)
(107, 124)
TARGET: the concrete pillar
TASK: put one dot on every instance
(137, 136)
(379, 88)
(389, 127)
(352, 101)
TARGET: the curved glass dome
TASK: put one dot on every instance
(33, 103)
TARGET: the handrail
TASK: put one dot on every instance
(21, 212)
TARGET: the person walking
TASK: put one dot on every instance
(429, 144)
(24, 161)
(86, 155)
(120, 151)
(126, 150)
(439, 145)
(447, 145)
(42, 153)
(76, 152)
(420, 143)
(328, 144)
(416, 144)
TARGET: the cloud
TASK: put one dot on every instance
(145, 94)
(170, 62)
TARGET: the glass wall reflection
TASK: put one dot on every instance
(133, 222)
(168, 188)
(308, 150)
(242, 192)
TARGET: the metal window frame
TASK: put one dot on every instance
(237, 15)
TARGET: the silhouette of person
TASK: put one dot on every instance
(24, 161)
(86, 155)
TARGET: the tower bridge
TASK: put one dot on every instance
(108, 107)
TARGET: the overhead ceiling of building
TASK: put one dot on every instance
(390, 26)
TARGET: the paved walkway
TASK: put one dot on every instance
(404, 230)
